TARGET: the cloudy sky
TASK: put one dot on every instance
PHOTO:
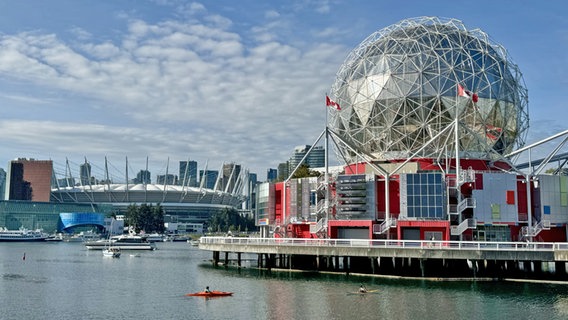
(223, 80)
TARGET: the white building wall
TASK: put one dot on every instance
(492, 206)
(553, 192)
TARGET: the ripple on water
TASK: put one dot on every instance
(23, 278)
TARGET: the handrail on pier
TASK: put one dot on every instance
(392, 243)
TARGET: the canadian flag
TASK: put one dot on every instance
(468, 94)
(331, 103)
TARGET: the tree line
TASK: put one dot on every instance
(230, 220)
(145, 217)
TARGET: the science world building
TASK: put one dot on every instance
(433, 118)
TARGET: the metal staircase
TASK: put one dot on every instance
(531, 232)
(467, 203)
(321, 225)
(383, 227)
(466, 224)
(454, 185)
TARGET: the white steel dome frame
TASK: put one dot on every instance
(399, 88)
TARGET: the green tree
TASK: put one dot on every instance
(304, 171)
(145, 217)
(230, 220)
(131, 216)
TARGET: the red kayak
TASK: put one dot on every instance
(213, 293)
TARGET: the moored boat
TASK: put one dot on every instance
(83, 236)
(58, 237)
(123, 242)
(22, 235)
(155, 237)
(194, 242)
(112, 252)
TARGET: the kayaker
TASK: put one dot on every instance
(362, 289)
(207, 290)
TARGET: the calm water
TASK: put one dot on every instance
(66, 281)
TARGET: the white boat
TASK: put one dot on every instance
(22, 235)
(57, 237)
(193, 242)
(155, 237)
(83, 236)
(112, 252)
(123, 242)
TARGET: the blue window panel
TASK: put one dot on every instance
(431, 178)
(419, 212)
(439, 189)
(439, 201)
(546, 209)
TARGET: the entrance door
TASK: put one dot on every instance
(411, 234)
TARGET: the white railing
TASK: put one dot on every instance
(400, 244)
(527, 232)
(467, 203)
(320, 207)
(466, 224)
(467, 175)
(315, 228)
(383, 227)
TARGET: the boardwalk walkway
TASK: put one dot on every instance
(505, 251)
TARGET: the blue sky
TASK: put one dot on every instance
(221, 81)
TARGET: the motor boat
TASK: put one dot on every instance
(22, 235)
(123, 242)
(112, 252)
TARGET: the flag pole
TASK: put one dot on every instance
(327, 195)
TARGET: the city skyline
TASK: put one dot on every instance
(223, 82)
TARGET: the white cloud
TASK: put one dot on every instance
(271, 14)
(178, 87)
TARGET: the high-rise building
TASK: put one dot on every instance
(169, 179)
(314, 159)
(85, 174)
(143, 177)
(231, 172)
(2, 183)
(210, 177)
(250, 203)
(29, 180)
(188, 173)
(271, 175)
(283, 170)
(65, 182)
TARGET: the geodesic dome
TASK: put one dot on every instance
(408, 82)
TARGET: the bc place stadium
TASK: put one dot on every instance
(41, 194)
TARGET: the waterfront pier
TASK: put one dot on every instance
(440, 259)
